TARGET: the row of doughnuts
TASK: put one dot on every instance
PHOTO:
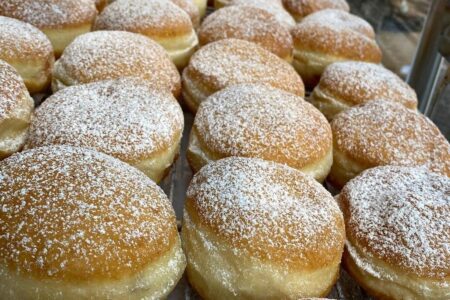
(244, 232)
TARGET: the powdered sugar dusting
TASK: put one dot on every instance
(265, 207)
(362, 81)
(122, 118)
(75, 214)
(104, 55)
(302, 8)
(49, 13)
(19, 39)
(247, 23)
(12, 89)
(232, 61)
(271, 6)
(254, 120)
(159, 17)
(402, 215)
(386, 133)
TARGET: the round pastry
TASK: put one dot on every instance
(254, 229)
(254, 120)
(123, 118)
(102, 55)
(16, 107)
(78, 224)
(221, 3)
(349, 83)
(160, 20)
(201, 6)
(271, 6)
(398, 232)
(302, 8)
(231, 61)
(61, 20)
(329, 36)
(248, 23)
(385, 133)
(28, 50)
(191, 9)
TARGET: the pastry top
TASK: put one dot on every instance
(50, 14)
(337, 33)
(123, 118)
(102, 55)
(254, 120)
(247, 23)
(232, 61)
(401, 215)
(274, 7)
(191, 9)
(269, 211)
(12, 90)
(74, 214)
(386, 133)
(19, 40)
(156, 18)
(302, 8)
(358, 82)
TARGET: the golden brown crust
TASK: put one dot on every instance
(85, 216)
(386, 133)
(101, 4)
(156, 19)
(354, 83)
(400, 215)
(191, 9)
(50, 14)
(302, 8)
(254, 120)
(300, 227)
(12, 90)
(105, 55)
(247, 23)
(337, 34)
(231, 61)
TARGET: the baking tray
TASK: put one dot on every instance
(175, 185)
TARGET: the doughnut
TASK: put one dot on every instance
(397, 221)
(254, 120)
(123, 118)
(201, 6)
(329, 36)
(254, 229)
(302, 8)
(380, 133)
(271, 6)
(16, 108)
(349, 83)
(191, 9)
(221, 3)
(160, 20)
(79, 224)
(29, 51)
(232, 61)
(248, 23)
(61, 20)
(103, 55)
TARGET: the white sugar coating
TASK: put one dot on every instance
(267, 207)
(104, 55)
(386, 133)
(273, 7)
(402, 215)
(12, 89)
(49, 13)
(232, 61)
(337, 20)
(254, 120)
(367, 81)
(161, 17)
(76, 214)
(305, 7)
(21, 40)
(123, 118)
(247, 23)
